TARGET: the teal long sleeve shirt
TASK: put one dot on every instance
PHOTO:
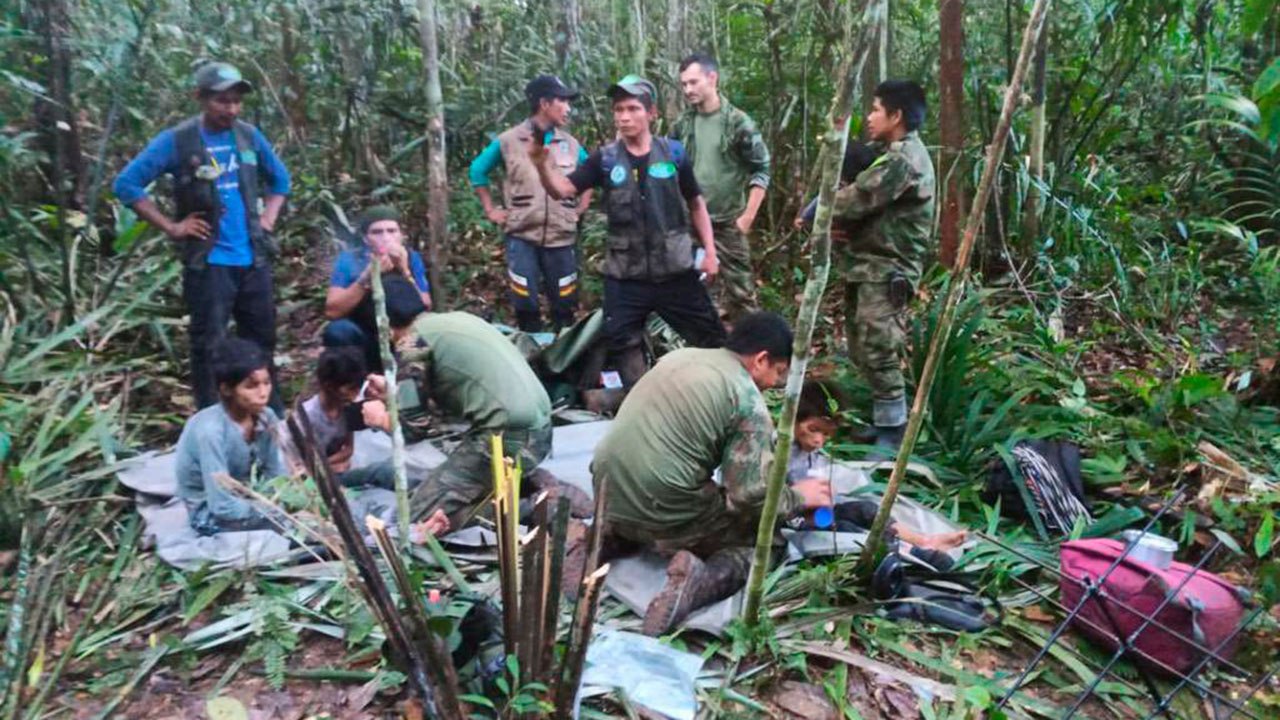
(491, 157)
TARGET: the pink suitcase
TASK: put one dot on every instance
(1206, 610)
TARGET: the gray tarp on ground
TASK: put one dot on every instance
(633, 580)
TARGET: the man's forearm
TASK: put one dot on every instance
(584, 202)
(147, 209)
(755, 199)
(341, 301)
(272, 204)
(702, 224)
(486, 198)
(556, 185)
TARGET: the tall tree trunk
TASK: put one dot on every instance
(675, 52)
(830, 158)
(951, 125)
(955, 289)
(59, 130)
(639, 46)
(437, 177)
(295, 87)
(1032, 207)
(568, 44)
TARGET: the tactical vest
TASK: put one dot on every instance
(193, 193)
(532, 214)
(648, 230)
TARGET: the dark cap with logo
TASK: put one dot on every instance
(548, 86)
(216, 77)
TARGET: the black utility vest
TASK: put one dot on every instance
(648, 229)
(193, 193)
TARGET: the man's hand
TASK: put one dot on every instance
(340, 461)
(815, 491)
(426, 301)
(711, 265)
(497, 215)
(375, 415)
(744, 223)
(267, 220)
(399, 257)
(537, 151)
(190, 226)
(376, 387)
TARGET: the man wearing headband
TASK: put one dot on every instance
(349, 302)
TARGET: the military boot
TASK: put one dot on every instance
(887, 442)
(691, 585)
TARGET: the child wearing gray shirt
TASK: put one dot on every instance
(234, 438)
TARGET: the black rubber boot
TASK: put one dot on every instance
(692, 584)
(888, 440)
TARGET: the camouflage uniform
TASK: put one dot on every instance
(696, 410)
(741, 159)
(892, 204)
(470, 372)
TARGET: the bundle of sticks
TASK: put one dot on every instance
(531, 567)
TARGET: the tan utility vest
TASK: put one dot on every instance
(532, 214)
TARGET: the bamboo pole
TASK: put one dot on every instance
(955, 289)
(392, 402)
(440, 663)
(576, 654)
(370, 584)
(873, 16)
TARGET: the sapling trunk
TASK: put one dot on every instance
(955, 289)
(437, 171)
(393, 404)
(830, 158)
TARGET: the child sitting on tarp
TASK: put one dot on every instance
(335, 414)
(816, 421)
(233, 439)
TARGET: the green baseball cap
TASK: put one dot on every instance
(635, 86)
(219, 76)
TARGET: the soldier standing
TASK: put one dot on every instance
(891, 203)
(731, 163)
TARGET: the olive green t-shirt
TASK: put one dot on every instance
(695, 411)
(473, 373)
(722, 179)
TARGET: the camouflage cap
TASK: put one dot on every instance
(219, 76)
(634, 86)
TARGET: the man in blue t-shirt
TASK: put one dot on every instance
(228, 188)
(349, 303)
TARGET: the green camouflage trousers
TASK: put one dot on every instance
(465, 480)
(876, 333)
(734, 291)
(729, 536)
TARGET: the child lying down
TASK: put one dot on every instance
(816, 422)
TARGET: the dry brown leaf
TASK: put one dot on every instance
(802, 701)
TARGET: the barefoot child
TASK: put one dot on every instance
(816, 422)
